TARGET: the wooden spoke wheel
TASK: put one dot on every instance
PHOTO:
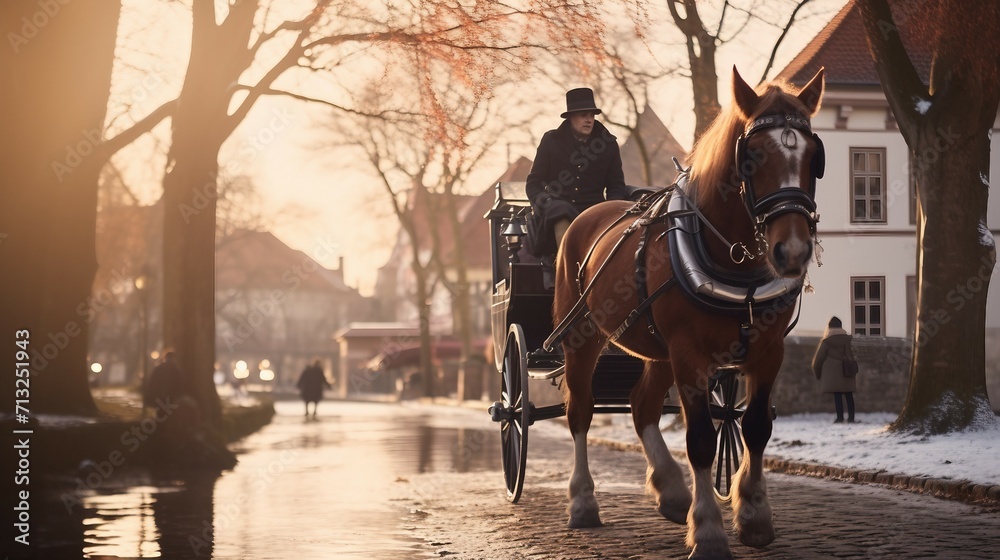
(515, 412)
(727, 406)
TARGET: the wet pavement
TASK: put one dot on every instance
(303, 488)
(388, 482)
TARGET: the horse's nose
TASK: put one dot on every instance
(790, 257)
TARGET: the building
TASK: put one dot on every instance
(276, 307)
(866, 199)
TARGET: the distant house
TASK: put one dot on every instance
(358, 344)
(276, 308)
(866, 199)
(277, 304)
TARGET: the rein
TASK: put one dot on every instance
(580, 309)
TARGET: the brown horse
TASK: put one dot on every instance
(753, 175)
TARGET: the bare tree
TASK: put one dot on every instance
(702, 41)
(947, 126)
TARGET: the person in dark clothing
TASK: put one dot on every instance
(311, 384)
(164, 383)
(576, 166)
(833, 349)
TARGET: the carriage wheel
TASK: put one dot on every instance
(727, 413)
(517, 412)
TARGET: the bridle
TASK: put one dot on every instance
(782, 201)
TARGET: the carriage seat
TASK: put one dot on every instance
(708, 283)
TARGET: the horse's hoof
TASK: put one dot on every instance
(758, 538)
(703, 553)
(585, 520)
(675, 511)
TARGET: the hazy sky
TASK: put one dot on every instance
(333, 203)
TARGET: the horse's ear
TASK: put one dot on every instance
(744, 95)
(812, 93)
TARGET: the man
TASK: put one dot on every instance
(165, 383)
(311, 384)
(575, 165)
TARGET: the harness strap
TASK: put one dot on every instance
(693, 208)
(634, 209)
(641, 287)
(644, 306)
(580, 309)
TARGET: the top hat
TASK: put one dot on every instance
(580, 99)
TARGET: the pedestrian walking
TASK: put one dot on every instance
(835, 368)
(311, 384)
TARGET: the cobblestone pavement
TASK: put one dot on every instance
(465, 516)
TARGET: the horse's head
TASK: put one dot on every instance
(778, 159)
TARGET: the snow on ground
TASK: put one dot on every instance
(866, 445)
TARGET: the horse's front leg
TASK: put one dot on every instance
(751, 507)
(581, 359)
(664, 478)
(706, 532)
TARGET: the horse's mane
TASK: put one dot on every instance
(713, 158)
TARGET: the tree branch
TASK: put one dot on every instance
(784, 32)
(111, 146)
(900, 81)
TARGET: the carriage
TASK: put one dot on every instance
(701, 281)
(521, 315)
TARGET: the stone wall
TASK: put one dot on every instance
(882, 382)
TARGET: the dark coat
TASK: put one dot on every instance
(311, 384)
(826, 363)
(568, 176)
(164, 383)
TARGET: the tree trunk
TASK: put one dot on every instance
(947, 128)
(57, 76)
(948, 372)
(200, 126)
(189, 270)
(704, 81)
(470, 383)
(422, 299)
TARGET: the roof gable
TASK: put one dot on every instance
(842, 47)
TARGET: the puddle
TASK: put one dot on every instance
(302, 489)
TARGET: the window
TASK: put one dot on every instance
(868, 185)
(868, 299)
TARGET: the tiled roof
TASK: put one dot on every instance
(660, 145)
(842, 48)
(258, 259)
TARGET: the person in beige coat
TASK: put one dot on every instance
(826, 364)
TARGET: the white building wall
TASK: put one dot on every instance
(887, 250)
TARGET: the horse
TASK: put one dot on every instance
(752, 179)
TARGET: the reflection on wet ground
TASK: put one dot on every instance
(303, 489)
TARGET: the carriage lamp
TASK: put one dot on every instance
(513, 231)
